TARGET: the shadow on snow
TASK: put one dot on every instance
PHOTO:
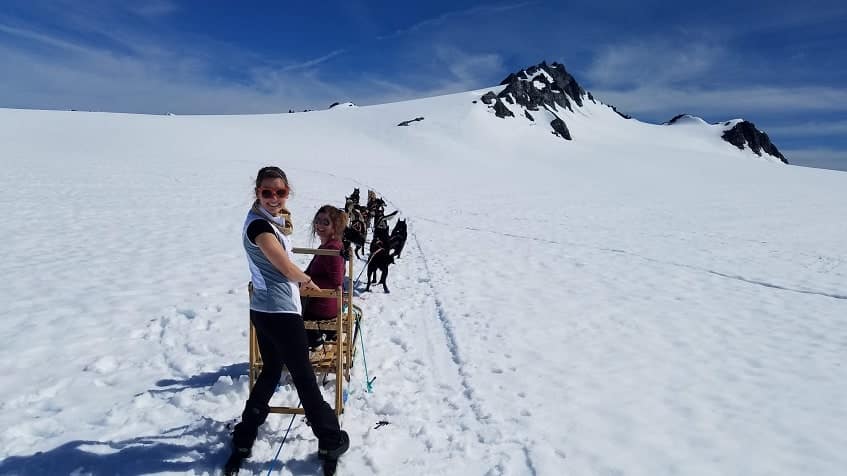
(196, 448)
(134, 456)
(206, 379)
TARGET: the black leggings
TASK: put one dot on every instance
(282, 342)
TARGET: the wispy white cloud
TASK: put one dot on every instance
(151, 80)
(153, 8)
(99, 58)
(451, 70)
(819, 153)
(826, 158)
(387, 89)
(655, 62)
(444, 17)
(43, 39)
(669, 100)
(314, 62)
(660, 78)
(797, 15)
(465, 70)
(155, 80)
(813, 129)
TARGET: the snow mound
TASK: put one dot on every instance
(686, 120)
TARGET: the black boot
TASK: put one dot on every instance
(233, 464)
(245, 432)
(332, 449)
(330, 466)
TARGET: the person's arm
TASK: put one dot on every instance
(275, 253)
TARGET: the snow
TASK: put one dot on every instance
(642, 300)
(688, 120)
(540, 72)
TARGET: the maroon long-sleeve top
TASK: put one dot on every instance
(328, 273)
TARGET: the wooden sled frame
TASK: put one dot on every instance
(336, 357)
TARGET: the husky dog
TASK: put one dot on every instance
(381, 222)
(351, 202)
(354, 237)
(376, 209)
(379, 260)
(397, 239)
(363, 214)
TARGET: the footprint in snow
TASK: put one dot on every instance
(188, 313)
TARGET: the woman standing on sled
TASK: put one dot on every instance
(276, 314)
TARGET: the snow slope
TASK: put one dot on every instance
(642, 300)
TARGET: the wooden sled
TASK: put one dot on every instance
(333, 356)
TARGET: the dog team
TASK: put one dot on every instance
(384, 245)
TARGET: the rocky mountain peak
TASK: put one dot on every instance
(540, 87)
(743, 133)
(547, 90)
(738, 132)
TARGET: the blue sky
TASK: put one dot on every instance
(779, 64)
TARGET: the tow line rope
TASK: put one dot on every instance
(276, 458)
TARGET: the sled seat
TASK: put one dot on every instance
(324, 357)
(334, 356)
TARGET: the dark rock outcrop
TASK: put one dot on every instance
(555, 87)
(745, 132)
(406, 123)
(551, 88)
(539, 87)
(676, 118)
(560, 129)
(625, 116)
(500, 110)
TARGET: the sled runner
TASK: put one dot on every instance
(334, 356)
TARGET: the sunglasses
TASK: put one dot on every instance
(270, 192)
(322, 222)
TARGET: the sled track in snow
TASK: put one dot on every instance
(655, 260)
(452, 346)
(776, 286)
